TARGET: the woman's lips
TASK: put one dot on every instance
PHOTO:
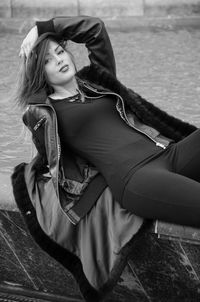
(64, 68)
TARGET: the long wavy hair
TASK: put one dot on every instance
(32, 76)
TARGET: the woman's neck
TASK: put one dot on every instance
(66, 90)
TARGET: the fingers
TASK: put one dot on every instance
(28, 42)
(25, 50)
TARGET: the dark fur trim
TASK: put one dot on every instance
(148, 113)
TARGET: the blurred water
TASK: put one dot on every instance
(162, 66)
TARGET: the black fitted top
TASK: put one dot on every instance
(96, 132)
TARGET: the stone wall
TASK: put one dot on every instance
(101, 8)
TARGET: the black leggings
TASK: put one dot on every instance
(168, 188)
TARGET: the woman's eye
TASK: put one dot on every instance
(60, 51)
(47, 60)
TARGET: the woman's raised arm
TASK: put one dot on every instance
(79, 29)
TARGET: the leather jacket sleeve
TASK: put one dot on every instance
(84, 29)
(37, 129)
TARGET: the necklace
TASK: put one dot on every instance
(80, 97)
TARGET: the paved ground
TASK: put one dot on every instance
(161, 65)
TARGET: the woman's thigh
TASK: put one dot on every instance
(154, 192)
(185, 156)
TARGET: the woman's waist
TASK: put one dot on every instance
(120, 172)
(124, 154)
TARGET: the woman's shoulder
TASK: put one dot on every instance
(34, 113)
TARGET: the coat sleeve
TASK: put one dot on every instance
(36, 126)
(84, 29)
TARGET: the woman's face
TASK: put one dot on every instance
(59, 66)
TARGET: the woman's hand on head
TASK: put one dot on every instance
(28, 42)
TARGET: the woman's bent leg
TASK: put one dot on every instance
(155, 193)
(185, 156)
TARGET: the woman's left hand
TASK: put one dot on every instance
(28, 42)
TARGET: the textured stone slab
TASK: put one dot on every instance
(111, 8)
(193, 257)
(27, 271)
(24, 265)
(157, 269)
(166, 270)
(17, 294)
(177, 232)
(130, 287)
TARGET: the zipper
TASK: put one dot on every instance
(39, 123)
(157, 143)
(43, 119)
(57, 140)
(124, 112)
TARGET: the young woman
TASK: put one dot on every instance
(93, 135)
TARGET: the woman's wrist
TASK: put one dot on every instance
(45, 26)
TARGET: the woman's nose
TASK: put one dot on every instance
(58, 59)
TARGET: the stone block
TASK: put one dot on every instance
(44, 8)
(111, 8)
(5, 8)
(171, 7)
